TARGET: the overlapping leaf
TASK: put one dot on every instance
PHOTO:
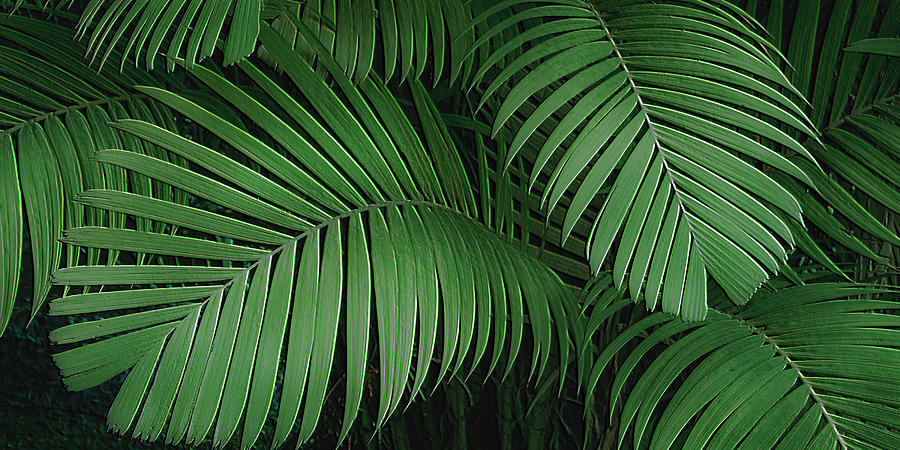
(664, 99)
(347, 209)
(506, 205)
(853, 99)
(179, 28)
(54, 113)
(399, 37)
(812, 366)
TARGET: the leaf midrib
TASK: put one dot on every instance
(336, 218)
(857, 112)
(75, 107)
(815, 396)
(652, 129)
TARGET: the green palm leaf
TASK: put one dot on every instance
(346, 207)
(876, 46)
(191, 28)
(238, 241)
(853, 102)
(655, 94)
(811, 366)
(400, 37)
(507, 206)
(54, 113)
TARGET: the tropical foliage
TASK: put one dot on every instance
(684, 212)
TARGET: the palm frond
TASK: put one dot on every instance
(507, 206)
(852, 96)
(192, 29)
(656, 93)
(398, 37)
(54, 113)
(812, 366)
(347, 207)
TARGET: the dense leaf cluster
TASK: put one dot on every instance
(686, 212)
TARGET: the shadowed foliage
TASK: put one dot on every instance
(448, 224)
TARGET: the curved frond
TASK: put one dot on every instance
(666, 102)
(812, 366)
(179, 28)
(854, 101)
(53, 116)
(507, 206)
(332, 204)
(399, 37)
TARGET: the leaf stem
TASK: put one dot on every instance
(656, 143)
(803, 379)
(859, 111)
(45, 116)
(333, 219)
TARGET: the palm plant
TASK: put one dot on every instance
(491, 177)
